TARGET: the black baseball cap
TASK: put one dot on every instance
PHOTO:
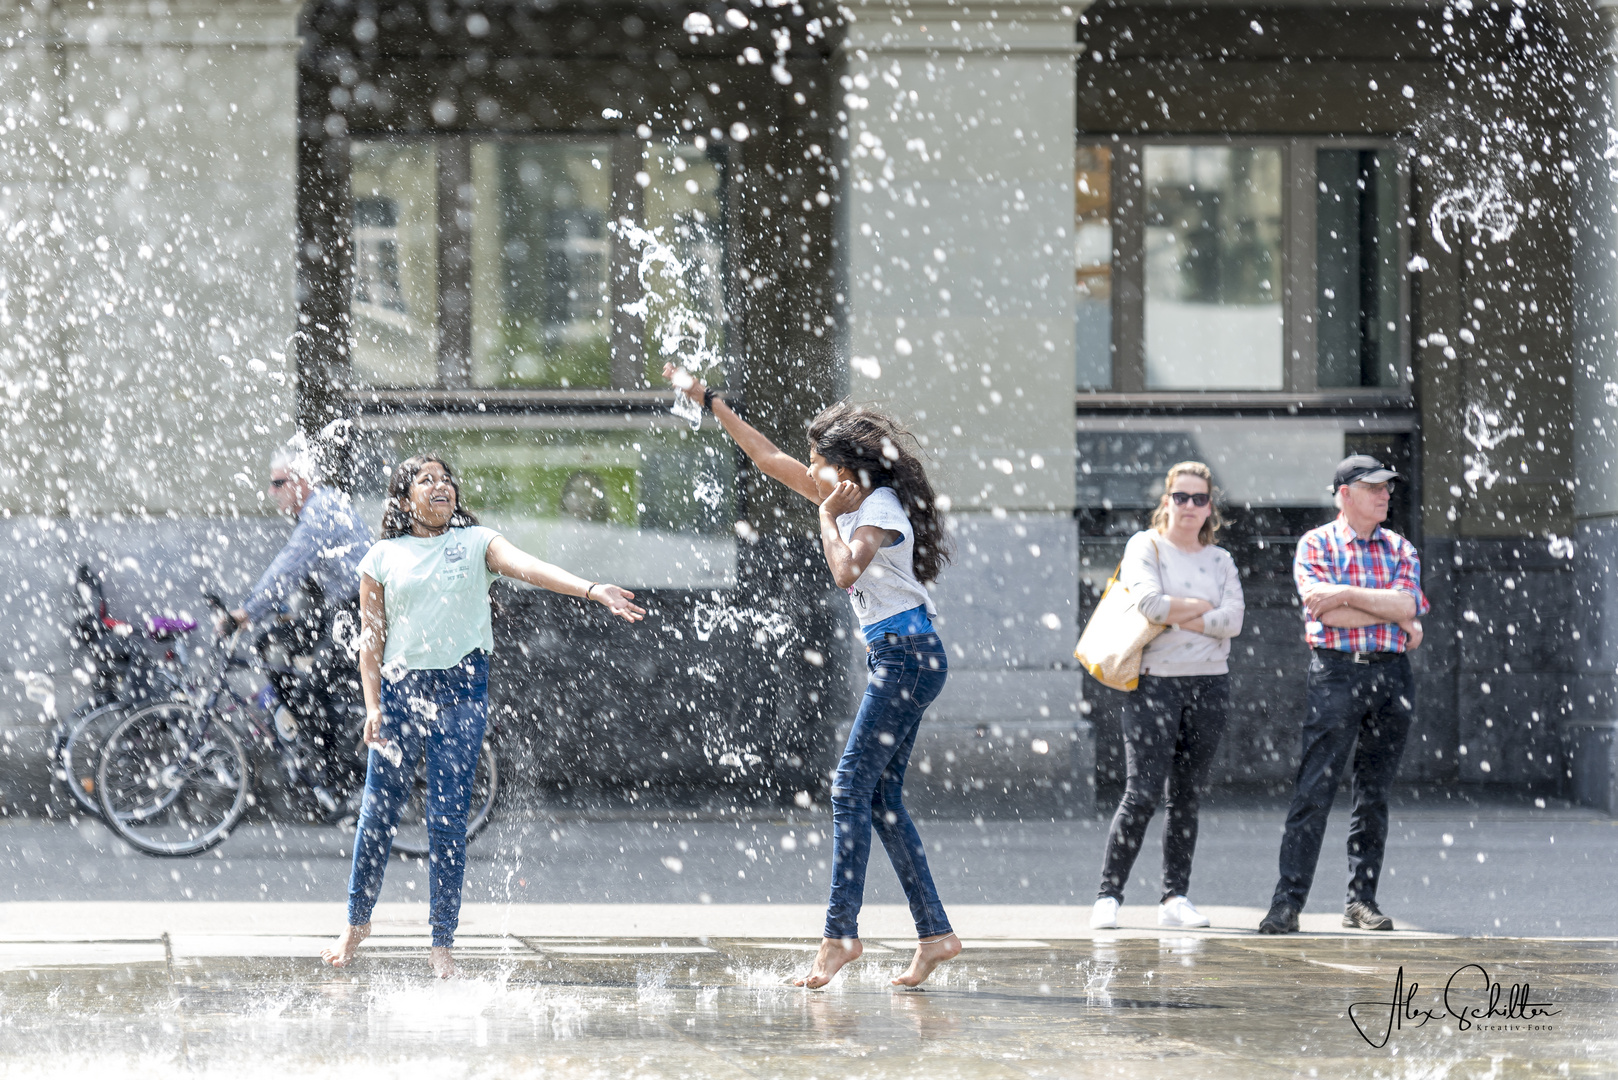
(1362, 468)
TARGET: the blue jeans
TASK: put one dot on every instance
(907, 673)
(1359, 716)
(442, 712)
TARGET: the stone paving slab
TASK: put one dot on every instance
(1146, 1004)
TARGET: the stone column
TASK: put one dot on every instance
(1590, 731)
(960, 134)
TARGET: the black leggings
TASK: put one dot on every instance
(1171, 730)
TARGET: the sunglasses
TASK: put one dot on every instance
(1198, 499)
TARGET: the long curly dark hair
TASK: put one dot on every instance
(881, 453)
(396, 518)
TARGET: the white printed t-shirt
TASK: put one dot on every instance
(889, 584)
(435, 595)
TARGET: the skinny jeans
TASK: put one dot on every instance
(1359, 717)
(1171, 730)
(907, 674)
(441, 712)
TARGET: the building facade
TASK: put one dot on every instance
(1068, 244)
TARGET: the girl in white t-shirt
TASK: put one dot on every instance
(883, 536)
(424, 621)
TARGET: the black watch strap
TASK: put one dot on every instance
(707, 398)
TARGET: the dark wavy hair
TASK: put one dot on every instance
(396, 516)
(881, 453)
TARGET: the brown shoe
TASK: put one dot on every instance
(1363, 915)
(1282, 919)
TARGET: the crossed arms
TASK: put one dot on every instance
(1350, 606)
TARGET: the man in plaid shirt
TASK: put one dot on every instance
(1361, 588)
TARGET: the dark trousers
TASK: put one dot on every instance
(1171, 730)
(1363, 709)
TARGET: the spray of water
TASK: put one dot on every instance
(677, 327)
(1480, 206)
(766, 625)
(1485, 430)
(1098, 977)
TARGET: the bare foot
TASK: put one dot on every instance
(929, 954)
(348, 946)
(833, 954)
(442, 963)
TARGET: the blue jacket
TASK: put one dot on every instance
(326, 547)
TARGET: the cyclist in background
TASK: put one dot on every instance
(324, 549)
(315, 578)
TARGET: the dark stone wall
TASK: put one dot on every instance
(737, 693)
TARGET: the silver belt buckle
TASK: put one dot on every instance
(1362, 658)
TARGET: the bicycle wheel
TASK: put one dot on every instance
(78, 752)
(172, 780)
(411, 836)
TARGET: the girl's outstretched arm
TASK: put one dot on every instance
(508, 560)
(770, 459)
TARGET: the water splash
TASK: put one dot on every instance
(707, 490)
(1485, 430)
(652, 989)
(679, 329)
(1475, 207)
(766, 625)
(1098, 976)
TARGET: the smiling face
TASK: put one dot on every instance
(432, 498)
(1185, 516)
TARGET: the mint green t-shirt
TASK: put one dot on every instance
(435, 593)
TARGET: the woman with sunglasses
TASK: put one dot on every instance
(1173, 722)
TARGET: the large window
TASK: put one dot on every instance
(533, 263)
(1248, 267)
(513, 302)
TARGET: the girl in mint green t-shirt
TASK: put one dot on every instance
(425, 642)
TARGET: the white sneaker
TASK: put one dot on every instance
(1177, 911)
(1104, 916)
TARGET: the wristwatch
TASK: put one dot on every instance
(707, 398)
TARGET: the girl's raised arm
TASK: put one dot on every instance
(508, 560)
(770, 459)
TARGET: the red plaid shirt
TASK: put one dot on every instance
(1333, 555)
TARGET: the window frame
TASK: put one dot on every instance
(1298, 272)
(455, 390)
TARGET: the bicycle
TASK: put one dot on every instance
(175, 777)
(122, 675)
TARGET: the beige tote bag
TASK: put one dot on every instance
(1115, 636)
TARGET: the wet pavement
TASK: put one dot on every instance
(234, 989)
(661, 945)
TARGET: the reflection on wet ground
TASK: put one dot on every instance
(1140, 1005)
